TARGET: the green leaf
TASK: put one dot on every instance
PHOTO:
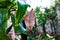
(3, 24)
(19, 15)
(42, 19)
(20, 12)
(4, 2)
(37, 10)
(13, 19)
(22, 29)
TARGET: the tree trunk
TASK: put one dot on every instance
(58, 24)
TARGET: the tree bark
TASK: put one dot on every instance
(57, 6)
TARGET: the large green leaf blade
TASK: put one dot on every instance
(3, 24)
(20, 12)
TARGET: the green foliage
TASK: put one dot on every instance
(42, 19)
(37, 10)
(21, 11)
(51, 13)
(22, 29)
(3, 24)
(19, 15)
(4, 2)
(45, 37)
(57, 1)
(3, 18)
(5, 14)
